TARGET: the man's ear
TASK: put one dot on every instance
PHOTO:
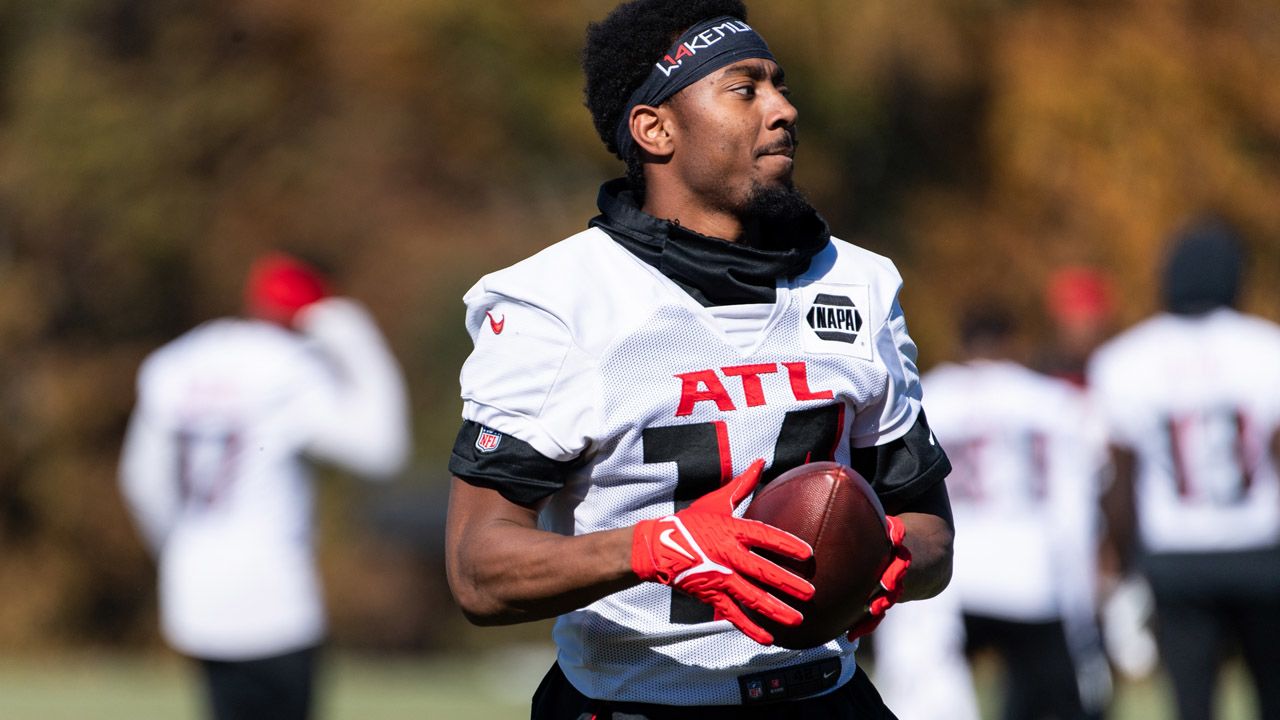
(651, 129)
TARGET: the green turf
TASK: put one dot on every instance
(124, 688)
(493, 686)
(1149, 699)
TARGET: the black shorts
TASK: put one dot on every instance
(557, 699)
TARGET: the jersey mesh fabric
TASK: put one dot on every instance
(603, 652)
(665, 388)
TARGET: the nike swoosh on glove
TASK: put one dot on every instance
(890, 581)
(705, 551)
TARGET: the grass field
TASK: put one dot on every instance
(492, 686)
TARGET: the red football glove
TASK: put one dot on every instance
(704, 551)
(890, 581)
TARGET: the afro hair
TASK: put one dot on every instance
(621, 51)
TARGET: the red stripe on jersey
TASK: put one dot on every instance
(1243, 454)
(835, 444)
(726, 456)
(1176, 429)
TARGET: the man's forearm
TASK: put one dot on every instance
(504, 570)
(929, 538)
(1118, 508)
(533, 574)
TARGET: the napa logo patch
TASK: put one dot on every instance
(837, 320)
(488, 440)
(835, 317)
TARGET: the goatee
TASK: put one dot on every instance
(779, 203)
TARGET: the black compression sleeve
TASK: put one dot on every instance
(506, 464)
(904, 469)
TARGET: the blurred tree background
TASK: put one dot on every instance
(149, 149)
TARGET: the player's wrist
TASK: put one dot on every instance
(891, 581)
(642, 561)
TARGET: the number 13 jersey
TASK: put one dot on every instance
(604, 394)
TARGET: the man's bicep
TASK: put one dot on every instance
(475, 512)
(474, 507)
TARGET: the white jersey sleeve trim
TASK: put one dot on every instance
(526, 376)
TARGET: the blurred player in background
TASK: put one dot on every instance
(215, 470)
(928, 634)
(1024, 491)
(1080, 304)
(1192, 402)
(629, 383)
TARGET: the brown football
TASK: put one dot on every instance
(831, 507)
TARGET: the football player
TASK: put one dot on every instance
(215, 472)
(631, 385)
(1192, 401)
(1024, 491)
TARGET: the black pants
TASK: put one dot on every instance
(1040, 674)
(1212, 603)
(557, 699)
(1194, 633)
(274, 688)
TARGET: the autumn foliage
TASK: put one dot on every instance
(149, 150)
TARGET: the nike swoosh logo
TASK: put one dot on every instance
(496, 325)
(665, 538)
(826, 675)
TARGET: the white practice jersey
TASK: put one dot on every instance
(593, 357)
(1025, 461)
(1197, 399)
(214, 472)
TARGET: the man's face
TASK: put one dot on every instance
(736, 139)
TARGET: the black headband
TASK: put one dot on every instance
(701, 50)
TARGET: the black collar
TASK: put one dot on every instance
(713, 271)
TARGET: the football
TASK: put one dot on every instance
(831, 507)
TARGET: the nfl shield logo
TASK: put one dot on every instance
(754, 689)
(488, 440)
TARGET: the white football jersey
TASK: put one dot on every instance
(1197, 399)
(588, 354)
(214, 472)
(1026, 459)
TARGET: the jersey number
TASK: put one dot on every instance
(207, 466)
(704, 463)
(1212, 460)
(1029, 450)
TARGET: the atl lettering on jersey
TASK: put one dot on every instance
(705, 385)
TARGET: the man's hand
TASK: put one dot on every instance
(704, 551)
(890, 581)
